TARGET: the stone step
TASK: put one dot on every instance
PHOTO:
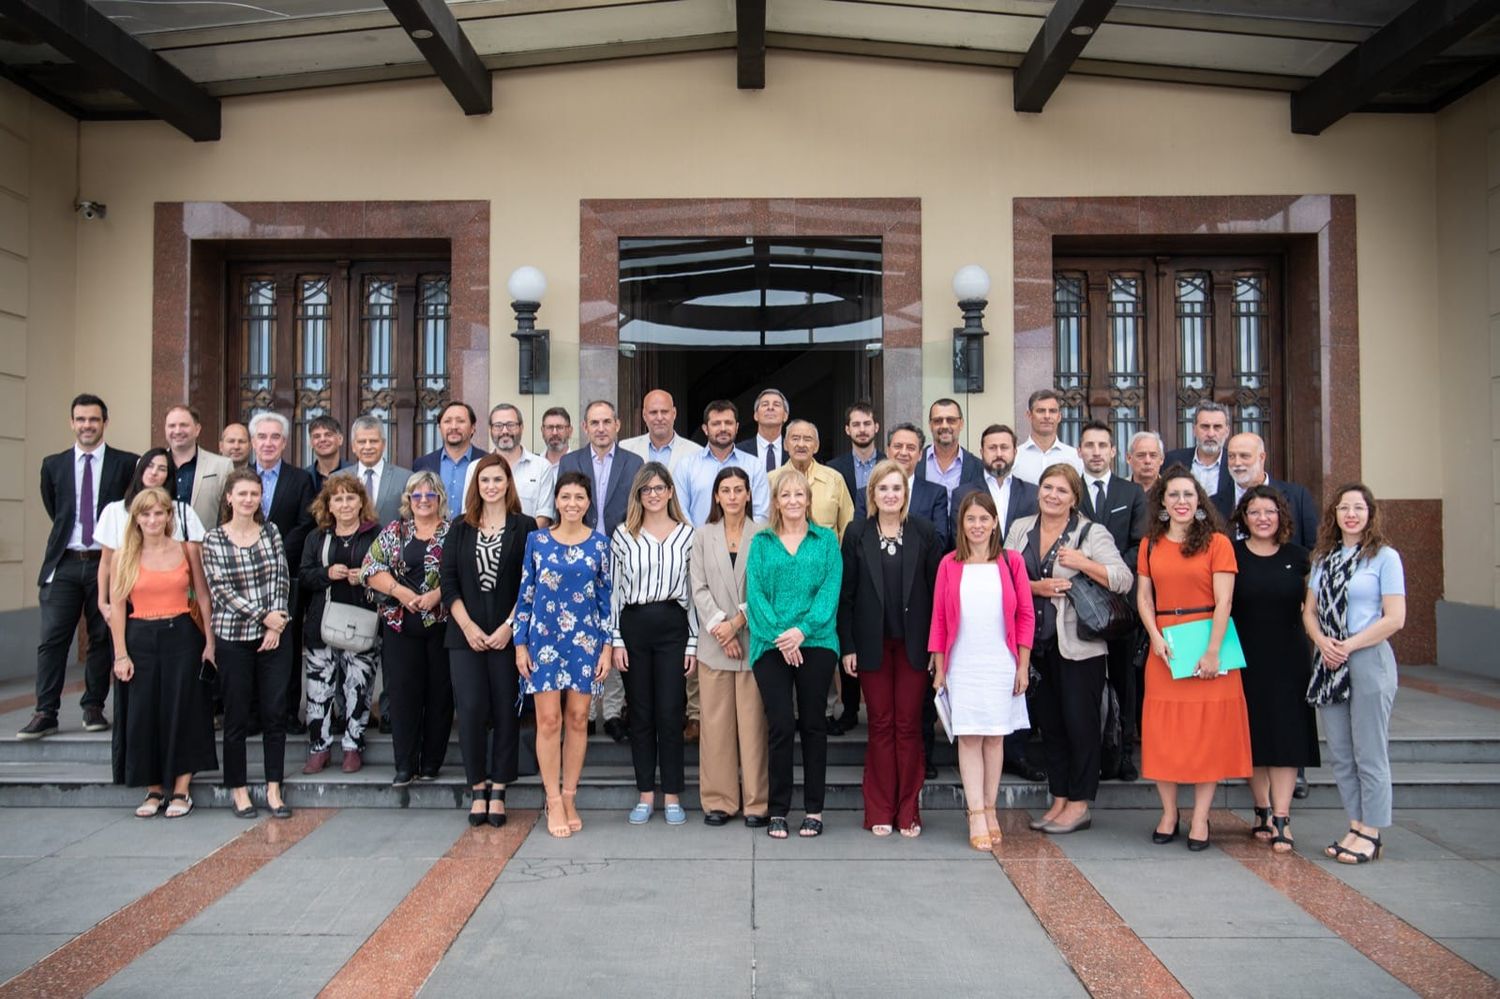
(1417, 785)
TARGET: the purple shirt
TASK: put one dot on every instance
(949, 479)
(602, 466)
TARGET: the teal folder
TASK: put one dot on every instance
(1186, 644)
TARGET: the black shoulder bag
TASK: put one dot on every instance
(1103, 615)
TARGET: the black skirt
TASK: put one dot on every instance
(164, 723)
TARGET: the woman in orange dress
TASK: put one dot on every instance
(1194, 730)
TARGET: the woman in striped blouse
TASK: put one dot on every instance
(655, 634)
(248, 578)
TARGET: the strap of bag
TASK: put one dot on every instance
(327, 546)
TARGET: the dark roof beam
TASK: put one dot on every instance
(447, 49)
(1068, 27)
(94, 42)
(1418, 34)
(750, 44)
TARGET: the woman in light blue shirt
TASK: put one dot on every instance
(1357, 601)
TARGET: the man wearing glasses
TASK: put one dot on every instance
(527, 469)
(946, 463)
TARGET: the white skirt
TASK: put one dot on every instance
(981, 672)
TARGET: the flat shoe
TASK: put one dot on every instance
(675, 815)
(810, 827)
(1039, 824)
(282, 811)
(1059, 829)
(248, 812)
(152, 806)
(640, 814)
(716, 818)
(756, 821)
(182, 810)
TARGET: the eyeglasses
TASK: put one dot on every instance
(655, 490)
(424, 497)
(508, 425)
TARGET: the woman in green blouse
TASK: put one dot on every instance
(792, 579)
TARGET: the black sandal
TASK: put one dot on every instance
(1281, 842)
(1359, 858)
(477, 795)
(497, 819)
(1262, 823)
(777, 827)
(810, 827)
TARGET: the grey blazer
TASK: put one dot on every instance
(719, 590)
(208, 486)
(1098, 546)
(682, 449)
(392, 485)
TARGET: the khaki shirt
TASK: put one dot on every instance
(831, 507)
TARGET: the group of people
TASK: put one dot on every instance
(738, 593)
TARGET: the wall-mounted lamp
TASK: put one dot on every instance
(527, 285)
(971, 286)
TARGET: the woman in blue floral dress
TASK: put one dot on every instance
(562, 642)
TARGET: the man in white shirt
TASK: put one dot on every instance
(383, 481)
(1206, 460)
(661, 442)
(1013, 498)
(527, 469)
(771, 413)
(1042, 448)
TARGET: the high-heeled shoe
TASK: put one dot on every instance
(1262, 828)
(557, 820)
(1198, 845)
(993, 821)
(476, 796)
(982, 843)
(570, 798)
(496, 819)
(1162, 839)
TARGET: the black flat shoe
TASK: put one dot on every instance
(716, 818)
(756, 821)
(497, 819)
(480, 817)
(1300, 790)
(402, 779)
(248, 812)
(810, 827)
(1199, 845)
(931, 772)
(1161, 838)
(282, 811)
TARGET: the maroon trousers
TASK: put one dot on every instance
(894, 767)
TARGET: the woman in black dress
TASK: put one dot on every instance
(1267, 613)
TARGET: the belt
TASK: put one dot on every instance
(1180, 611)
(86, 556)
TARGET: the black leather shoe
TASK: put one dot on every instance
(94, 721)
(834, 726)
(1161, 838)
(282, 811)
(385, 725)
(1128, 772)
(1198, 845)
(1025, 770)
(1300, 791)
(757, 821)
(40, 726)
(248, 812)
(931, 772)
(615, 729)
(593, 726)
(402, 778)
(716, 818)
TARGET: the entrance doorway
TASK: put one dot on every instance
(724, 318)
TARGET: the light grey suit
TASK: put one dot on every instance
(682, 449)
(392, 484)
(208, 486)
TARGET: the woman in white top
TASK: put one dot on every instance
(155, 470)
(655, 634)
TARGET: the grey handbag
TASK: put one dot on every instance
(346, 626)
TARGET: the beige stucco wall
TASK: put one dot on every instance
(1468, 336)
(825, 126)
(38, 253)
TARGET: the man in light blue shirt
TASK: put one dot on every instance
(721, 422)
(450, 463)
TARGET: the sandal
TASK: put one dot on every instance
(810, 827)
(1281, 842)
(1357, 857)
(993, 821)
(882, 830)
(1262, 828)
(912, 831)
(497, 797)
(777, 828)
(148, 810)
(981, 843)
(570, 805)
(176, 811)
(557, 821)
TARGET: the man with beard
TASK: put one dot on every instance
(557, 433)
(1042, 448)
(1206, 461)
(661, 442)
(234, 444)
(450, 463)
(1245, 454)
(903, 445)
(1144, 456)
(695, 486)
(527, 470)
(1013, 497)
(855, 466)
(946, 463)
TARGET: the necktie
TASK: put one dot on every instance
(370, 483)
(86, 502)
(770, 457)
(1098, 499)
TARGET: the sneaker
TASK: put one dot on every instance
(94, 721)
(40, 726)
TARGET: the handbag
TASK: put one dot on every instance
(346, 626)
(1103, 615)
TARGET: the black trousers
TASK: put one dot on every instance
(421, 686)
(1123, 678)
(164, 724)
(489, 729)
(807, 684)
(248, 676)
(849, 694)
(1067, 707)
(74, 591)
(293, 634)
(656, 640)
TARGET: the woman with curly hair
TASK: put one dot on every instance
(1194, 730)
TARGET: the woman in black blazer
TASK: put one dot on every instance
(481, 578)
(885, 611)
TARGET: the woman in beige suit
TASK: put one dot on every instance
(732, 747)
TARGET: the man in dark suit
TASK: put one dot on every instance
(601, 458)
(450, 463)
(1245, 454)
(903, 445)
(946, 463)
(1206, 460)
(76, 486)
(771, 413)
(1013, 497)
(856, 464)
(1119, 506)
(286, 496)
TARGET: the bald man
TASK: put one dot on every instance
(234, 444)
(661, 442)
(1245, 454)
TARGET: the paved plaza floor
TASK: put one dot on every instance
(395, 902)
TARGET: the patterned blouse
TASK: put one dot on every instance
(487, 552)
(246, 583)
(386, 555)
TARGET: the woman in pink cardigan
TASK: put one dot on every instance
(982, 624)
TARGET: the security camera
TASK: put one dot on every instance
(91, 210)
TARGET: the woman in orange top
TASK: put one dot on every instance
(1194, 730)
(164, 729)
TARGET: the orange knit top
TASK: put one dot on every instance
(161, 592)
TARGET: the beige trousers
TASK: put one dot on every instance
(732, 743)
(693, 712)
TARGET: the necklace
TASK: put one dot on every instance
(890, 545)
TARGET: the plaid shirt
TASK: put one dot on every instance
(246, 583)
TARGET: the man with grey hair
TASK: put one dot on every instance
(1206, 460)
(1144, 456)
(771, 413)
(383, 480)
(829, 504)
(1245, 454)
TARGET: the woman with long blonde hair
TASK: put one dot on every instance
(164, 730)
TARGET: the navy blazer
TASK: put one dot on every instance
(1022, 504)
(432, 462)
(61, 501)
(291, 512)
(749, 446)
(1305, 513)
(1184, 456)
(971, 471)
(844, 465)
(621, 473)
(930, 502)
(1124, 515)
(459, 573)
